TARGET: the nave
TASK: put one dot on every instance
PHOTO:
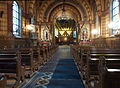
(59, 43)
(59, 72)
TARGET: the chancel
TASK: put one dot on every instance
(59, 43)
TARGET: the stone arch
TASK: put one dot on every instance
(75, 4)
(75, 14)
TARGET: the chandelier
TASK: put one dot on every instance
(64, 23)
(63, 15)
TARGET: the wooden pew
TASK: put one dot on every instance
(42, 54)
(109, 71)
(37, 57)
(49, 51)
(54, 48)
(80, 55)
(46, 53)
(91, 71)
(3, 81)
(112, 58)
(27, 61)
(89, 62)
(75, 50)
(10, 65)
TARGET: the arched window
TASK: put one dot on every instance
(16, 19)
(115, 15)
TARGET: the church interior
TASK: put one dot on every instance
(59, 43)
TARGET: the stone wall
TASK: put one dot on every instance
(7, 39)
(3, 19)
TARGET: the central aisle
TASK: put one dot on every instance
(59, 72)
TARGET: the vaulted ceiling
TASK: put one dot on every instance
(80, 10)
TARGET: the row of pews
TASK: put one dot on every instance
(100, 67)
(19, 64)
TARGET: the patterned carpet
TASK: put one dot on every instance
(59, 72)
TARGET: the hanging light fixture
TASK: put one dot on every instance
(63, 12)
(63, 15)
(64, 23)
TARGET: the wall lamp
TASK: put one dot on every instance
(94, 31)
(30, 27)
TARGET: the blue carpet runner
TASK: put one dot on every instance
(60, 72)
